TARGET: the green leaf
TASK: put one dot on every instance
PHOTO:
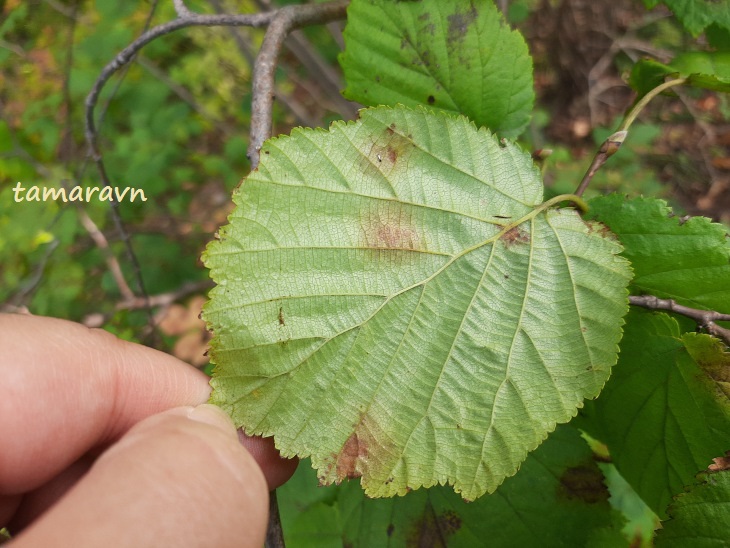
(699, 516)
(458, 56)
(647, 74)
(640, 520)
(695, 15)
(662, 415)
(718, 37)
(683, 259)
(558, 498)
(712, 358)
(703, 70)
(394, 301)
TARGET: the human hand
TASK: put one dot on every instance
(94, 424)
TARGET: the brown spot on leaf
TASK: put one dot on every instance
(431, 99)
(281, 316)
(450, 522)
(351, 457)
(515, 236)
(392, 154)
(720, 463)
(390, 529)
(459, 24)
(583, 482)
(387, 151)
(602, 229)
(432, 530)
(388, 230)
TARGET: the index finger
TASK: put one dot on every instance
(67, 388)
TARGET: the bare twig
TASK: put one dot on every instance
(165, 299)
(323, 74)
(16, 49)
(285, 20)
(66, 145)
(611, 145)
(28, 286)
(115, 214)
(335, 29)
(274, 533)
(111, 261)
(288, 18)
(126, 55)
(181, 9)
(60, 8)
(705, 319)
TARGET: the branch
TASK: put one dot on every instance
(325, 77)
(705, 319)
(111, 261)
(611, 145)
(164, 299)
(256, 20)
(284, 21)
(281, 21)
(274, 532)
(181, 9)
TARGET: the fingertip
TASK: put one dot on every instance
(72, 388)
(181, 477)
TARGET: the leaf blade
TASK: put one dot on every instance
(407, 313)
(699, 516)
(482, 69)
(662, 415)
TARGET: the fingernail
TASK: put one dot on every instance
(213, 415)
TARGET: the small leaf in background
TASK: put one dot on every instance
(393, 302)
(703, 70)
(696, 15)
(675, 258)
(640, 520)
(558, 498)
(662, 414)
(699, 517)
(647, 74)
(712, 357)
(458, 56)
(718, 37)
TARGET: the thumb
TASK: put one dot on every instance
(179, 478)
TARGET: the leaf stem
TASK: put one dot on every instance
(577, 200)
(611, 145)
(641, 103)
(274, 531)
